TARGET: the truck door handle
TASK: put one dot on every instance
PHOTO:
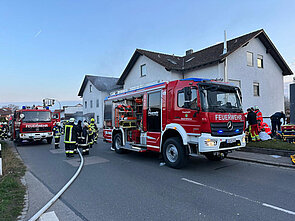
(177, 117)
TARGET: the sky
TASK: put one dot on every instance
(46, 47)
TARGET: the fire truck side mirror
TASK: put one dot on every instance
(22, 116)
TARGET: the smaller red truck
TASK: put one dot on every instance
(32, 124)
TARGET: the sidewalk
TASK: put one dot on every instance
(268, 159)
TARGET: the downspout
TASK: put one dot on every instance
(225, 79)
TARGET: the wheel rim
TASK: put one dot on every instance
(172, 153)
(118, 143)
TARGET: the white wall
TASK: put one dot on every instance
(210, 72)
(154, 72)
(94, 95)
(269, 77)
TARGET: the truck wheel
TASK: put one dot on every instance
(174, 153)
(118, 144)
(49, 140)
(215, 156)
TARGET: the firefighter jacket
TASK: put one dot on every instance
(252, 118)
(259, 115)
(94, 127)
(70, 133)
(57, 131)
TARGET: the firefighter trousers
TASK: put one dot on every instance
(253, 129)
(56, 141)
(69, 148)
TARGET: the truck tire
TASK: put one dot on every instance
(215, 156)
(49, 140)
(118, 143)
(174, 153)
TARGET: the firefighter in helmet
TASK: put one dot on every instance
(57, 133)
(84, 141)
(94, 129)
(70, 137)
(91, 136)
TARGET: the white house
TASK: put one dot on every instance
(93, 90)
(253, 63)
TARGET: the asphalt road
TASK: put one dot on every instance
(134, 186)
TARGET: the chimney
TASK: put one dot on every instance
(188, 52)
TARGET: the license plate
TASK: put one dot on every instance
(231, 140)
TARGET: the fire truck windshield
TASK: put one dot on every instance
(36, 116)
(220, 98)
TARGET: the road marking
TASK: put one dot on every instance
(88, 161)
(55, 151)
(278, 208)
(50, 216)
(239, 196)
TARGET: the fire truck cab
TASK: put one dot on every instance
(32, 124)
(178, 118)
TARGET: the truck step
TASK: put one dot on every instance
(138, 148)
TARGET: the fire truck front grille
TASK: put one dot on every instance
(221, 129)
(36, 129)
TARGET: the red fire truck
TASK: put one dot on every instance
(180, 118)
(32, 124)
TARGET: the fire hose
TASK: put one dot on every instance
(50, 203)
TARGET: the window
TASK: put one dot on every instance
(97, 119)
(91, 104)
(90, 88)
(256, 89)
(249, 58)
(259, 61)
(85, 104)
(143, 70)
(192, 104)
(97, 103)
(154, 112)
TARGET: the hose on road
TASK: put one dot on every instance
(50, 203)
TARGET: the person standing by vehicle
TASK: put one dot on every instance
(94, 129)
(253, 127)
(57, 134)
(79, 135)
(276, 122)
(84, 139)
(70, 137)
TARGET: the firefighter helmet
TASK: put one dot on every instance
(92, 120)
(72, 120)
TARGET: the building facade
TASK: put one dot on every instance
(94, 90)
(253, 63)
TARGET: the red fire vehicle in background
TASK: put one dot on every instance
(32, 124)
(55, 117)
(178, 118)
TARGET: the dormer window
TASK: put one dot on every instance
(90, 88)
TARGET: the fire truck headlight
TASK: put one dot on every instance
(210, 142)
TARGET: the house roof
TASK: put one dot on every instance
(207, 56)
(100, 83)
(5, 111)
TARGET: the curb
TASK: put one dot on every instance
(284, 153)
(262, 162)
